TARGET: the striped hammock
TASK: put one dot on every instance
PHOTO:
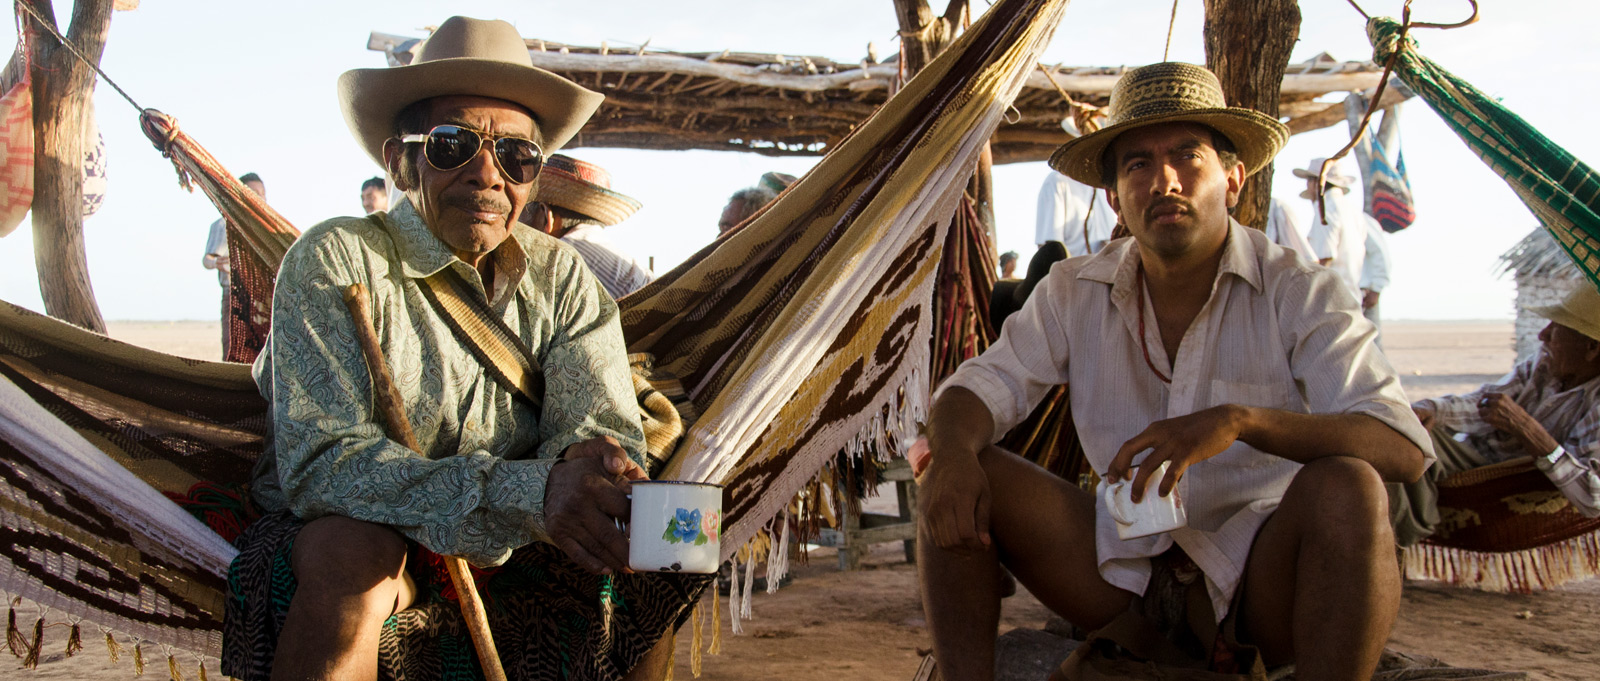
(1507, 547)
(803, 340)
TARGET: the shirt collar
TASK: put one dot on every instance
(422, 253)
(1118, 262)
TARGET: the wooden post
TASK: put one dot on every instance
(1247, 46)
(62, 85)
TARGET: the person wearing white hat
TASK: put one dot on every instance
(530, 481)
(1340, 240)
(1198, 347)
(1546, 410)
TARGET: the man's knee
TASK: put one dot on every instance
(339, 555)
(1342, 498)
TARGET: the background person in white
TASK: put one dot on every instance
(1063, 203)
(1340, 241)
(1374, 272)
(216, 257)
(1280, 418)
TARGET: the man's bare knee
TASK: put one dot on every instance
(342, 557)
(1342, 499)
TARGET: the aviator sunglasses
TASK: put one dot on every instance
(448, 147)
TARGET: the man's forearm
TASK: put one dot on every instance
(1307, 437)
(959, 423)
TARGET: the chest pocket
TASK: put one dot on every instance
(1269, 395)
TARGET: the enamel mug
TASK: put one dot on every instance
(676, 527)
(1154, 515)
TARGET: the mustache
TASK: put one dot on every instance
(479, 203)
(1167, 202)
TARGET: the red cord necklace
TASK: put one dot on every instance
(1144, 345)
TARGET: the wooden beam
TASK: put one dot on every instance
(1247, 46)
(62, 86)
(744, 75)
(1333, 114)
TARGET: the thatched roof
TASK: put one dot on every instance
(1538, 255)
(786, 105)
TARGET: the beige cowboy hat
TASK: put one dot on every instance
(1171, 92)
(584, 188)
(1336, 176)
(1579, 311)
(486, 58)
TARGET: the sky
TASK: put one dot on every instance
(254, 83)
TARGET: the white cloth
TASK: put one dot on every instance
(217, 247)
(1062, 204)
(1343, 238)
(1278, 331)
(1375, 265)
(618, 272)
(1284, 230)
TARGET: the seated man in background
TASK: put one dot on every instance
(576, 204)
(1546, 410)
(743, 204)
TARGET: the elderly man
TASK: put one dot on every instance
(1546, 410)
(743, 204)
(1196, 343)
(576, 204)
(354, 517)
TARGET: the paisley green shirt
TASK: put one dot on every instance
(477, 488)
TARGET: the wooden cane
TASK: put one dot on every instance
(387, 400)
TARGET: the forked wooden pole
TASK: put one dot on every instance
(387, 400)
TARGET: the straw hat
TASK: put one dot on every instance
(1579, 311)
(1171, 92)
(585, 188)
(485, 58)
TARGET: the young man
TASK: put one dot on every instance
(216, 257)
(534, 491)
(374, 195)
(1196, 342)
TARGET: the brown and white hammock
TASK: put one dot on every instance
(802, 339)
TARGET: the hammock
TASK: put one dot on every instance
(1509, 534)
(803, 340)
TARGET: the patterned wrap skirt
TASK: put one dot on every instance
(544, 610)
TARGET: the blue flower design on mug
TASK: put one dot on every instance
(684, 528)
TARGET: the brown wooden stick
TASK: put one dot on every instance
(390, 408)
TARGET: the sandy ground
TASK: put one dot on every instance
(829, 625)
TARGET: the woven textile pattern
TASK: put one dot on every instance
(826, 349)
(802, 336)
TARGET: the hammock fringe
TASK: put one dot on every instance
(1540, 568)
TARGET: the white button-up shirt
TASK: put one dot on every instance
(1277, 332)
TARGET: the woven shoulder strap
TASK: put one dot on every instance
(503, 355)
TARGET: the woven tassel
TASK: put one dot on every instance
(716, 622)
(75, 640)
(734, 594)
(672, 658)
(172, 668)
(698, 618)
(607, 607)
(113, 648)
(14, 639)
(203, 670)
(32, 659)
(749, 584)
(138, 659)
